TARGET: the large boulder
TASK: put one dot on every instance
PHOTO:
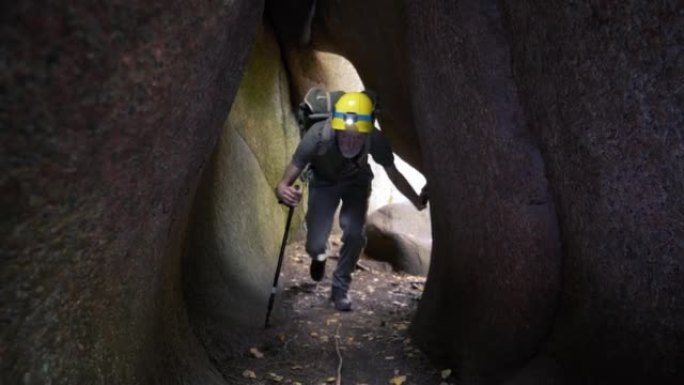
(401, 235)
(109, 115)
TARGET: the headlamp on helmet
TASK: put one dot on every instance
(353, 112)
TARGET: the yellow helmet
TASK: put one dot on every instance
(353, 111)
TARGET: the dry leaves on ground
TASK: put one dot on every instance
(249, 374)
(256, 353)
(446, 373)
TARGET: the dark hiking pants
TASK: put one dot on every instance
(323, 202)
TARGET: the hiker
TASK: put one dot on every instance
(336, 151)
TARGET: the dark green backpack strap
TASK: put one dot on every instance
(326, 139)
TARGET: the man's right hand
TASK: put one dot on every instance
(289, 195)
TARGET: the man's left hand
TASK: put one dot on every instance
(420, 203)
(424, 197)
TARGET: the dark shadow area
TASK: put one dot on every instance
(141, 141)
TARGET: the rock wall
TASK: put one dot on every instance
(601, 85)
(496, 247)
(109, 114)
(238, 224)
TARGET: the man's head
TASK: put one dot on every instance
(352, 121)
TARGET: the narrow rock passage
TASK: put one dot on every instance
(302, 347)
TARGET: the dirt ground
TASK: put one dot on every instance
(307, 346)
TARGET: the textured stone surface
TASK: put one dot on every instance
(401, 235)
(237, 222)
(550, 133)
(605, 100)
(496, 247)
(598, 100)
(109, 113)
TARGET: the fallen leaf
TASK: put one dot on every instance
(331, 321)
(275, 377)
(401, 327)
(331, 379)
(248, 374)
(398, 380)
(297, 367)
(256, 353)
(446, 373)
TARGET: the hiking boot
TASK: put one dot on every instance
(341, 299)
(317, 268)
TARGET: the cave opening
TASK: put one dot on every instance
(236, 225)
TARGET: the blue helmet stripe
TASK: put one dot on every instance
(342, 115)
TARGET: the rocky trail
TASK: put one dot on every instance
(308, 345)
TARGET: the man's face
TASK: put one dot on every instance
(350, 143)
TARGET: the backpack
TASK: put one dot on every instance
(317, 106)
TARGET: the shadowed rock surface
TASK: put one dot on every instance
(606, 107)
(550, 133)
(109, 114)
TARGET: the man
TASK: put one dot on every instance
(336, 151)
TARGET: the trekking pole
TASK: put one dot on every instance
(280, 264)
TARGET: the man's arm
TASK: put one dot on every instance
(404, 187)
(285, 192)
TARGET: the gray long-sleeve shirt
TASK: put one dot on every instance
(328, 164)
